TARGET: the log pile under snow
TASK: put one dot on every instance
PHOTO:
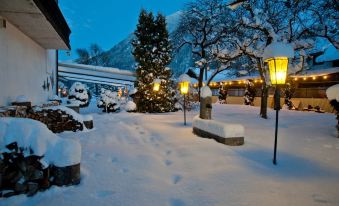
(57, 119)
(32, 158)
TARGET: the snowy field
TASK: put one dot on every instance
(153, 159)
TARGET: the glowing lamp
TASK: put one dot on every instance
(184, 87)
(278, 69)
(325, 77)
(156, 85)
(184, 83)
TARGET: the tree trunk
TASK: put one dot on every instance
(264, 97)
(264, 90)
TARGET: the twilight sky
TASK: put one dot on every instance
(107, 22)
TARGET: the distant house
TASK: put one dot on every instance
(311, 83)
(31, 32)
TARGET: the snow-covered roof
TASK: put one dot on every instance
(96, 74)
(112, 70)
(317, 72)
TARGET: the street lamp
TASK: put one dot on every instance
(184, 82)
(276, 56)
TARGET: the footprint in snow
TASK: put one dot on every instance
(176, 202)
(94, 155)
(124, 170)
(141, 132)
(327, 146)
(104, 193)
(318, 198)
(176, 179)
(168, 162)
(168, 152)
(114, 160)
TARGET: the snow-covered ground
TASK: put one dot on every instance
(153, 159)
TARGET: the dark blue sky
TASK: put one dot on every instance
(107, 22)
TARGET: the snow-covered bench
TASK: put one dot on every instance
(229, 134)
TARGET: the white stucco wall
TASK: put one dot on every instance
(24, 66)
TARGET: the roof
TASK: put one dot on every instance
(41, 20)
(96, 74)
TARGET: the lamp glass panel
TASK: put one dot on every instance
(184, 87)
(278, 69)
(156, 86)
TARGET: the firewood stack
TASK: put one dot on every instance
(56, 120)
(26, 175)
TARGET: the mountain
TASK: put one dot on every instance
(120, 56)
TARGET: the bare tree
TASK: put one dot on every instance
(261, 22)
(202, 26)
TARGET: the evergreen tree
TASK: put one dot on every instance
(152, 53)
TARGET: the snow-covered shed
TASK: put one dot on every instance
(31, 32)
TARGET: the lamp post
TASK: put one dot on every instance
(276, 56)
(184, 82)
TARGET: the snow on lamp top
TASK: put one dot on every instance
(276, 55)
(156, 84)
(184, 78)
(333, 92)
(206, 92)
(278, 49)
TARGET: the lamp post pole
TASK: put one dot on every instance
(277, 108)
(184, 109)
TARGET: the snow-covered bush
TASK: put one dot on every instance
(333, 95)
(109, 101)
(250, 92)
(222, 95)
(130, 106)
(289, 92)
(78, 94)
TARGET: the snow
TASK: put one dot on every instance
(33, 135)
(330, 54)
(153, 159)
(278, 49)
(205, 92)
(333, 92)
(54, 97)
(22, 98)
(157, 81)
(184, 78)
(130, 106)
(219, 128)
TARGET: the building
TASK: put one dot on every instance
(310, 84)
(31, 32)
